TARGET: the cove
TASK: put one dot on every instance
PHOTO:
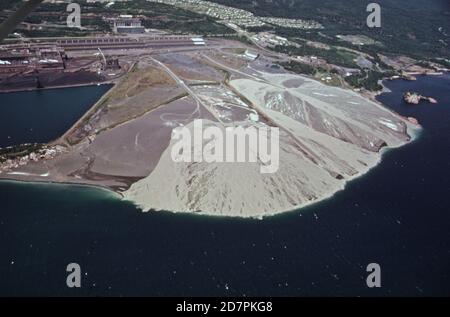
(41, 116)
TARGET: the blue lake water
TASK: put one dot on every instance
(398, 215)
(41, 116)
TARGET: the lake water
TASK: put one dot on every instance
(398, 215)
(41, 116)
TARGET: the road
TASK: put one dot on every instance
(182, 84)
(258, 79)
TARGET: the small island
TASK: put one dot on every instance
(415, 98)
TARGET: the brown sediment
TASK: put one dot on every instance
(328, 136)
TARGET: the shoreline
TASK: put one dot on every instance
(412, 130)
(105, 189)
(415, 135)
(112, 82)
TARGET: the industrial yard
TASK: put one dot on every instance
(58, 62)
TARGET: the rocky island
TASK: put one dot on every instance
(415, 98)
